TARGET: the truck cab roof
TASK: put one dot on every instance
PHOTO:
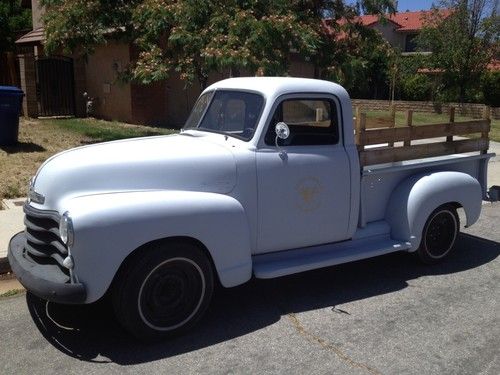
(276, 86)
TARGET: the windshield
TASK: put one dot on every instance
(233, 113)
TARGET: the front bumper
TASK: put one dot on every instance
(46, 281)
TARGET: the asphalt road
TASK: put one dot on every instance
(386, 315)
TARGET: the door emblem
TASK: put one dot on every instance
(309, 190)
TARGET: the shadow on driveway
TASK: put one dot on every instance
(92, 334)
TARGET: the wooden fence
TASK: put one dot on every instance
(384, 133)
(9, 76)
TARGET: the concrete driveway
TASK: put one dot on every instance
(387, 315)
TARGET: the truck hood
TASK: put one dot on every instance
(176, 162)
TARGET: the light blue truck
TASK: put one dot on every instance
(263, 181)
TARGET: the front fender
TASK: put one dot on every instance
(108, 227)
(415, 198)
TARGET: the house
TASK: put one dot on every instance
(400, 29)
(55, 85)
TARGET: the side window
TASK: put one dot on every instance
(311, 122)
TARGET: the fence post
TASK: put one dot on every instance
(452, 120)
(360, 129)
(356, 123)
(409, 123)
(392, 110)
(487, 117)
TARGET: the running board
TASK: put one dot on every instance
(288, 262)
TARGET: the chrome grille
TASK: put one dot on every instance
(43, 244)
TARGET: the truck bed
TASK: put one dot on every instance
(380, 180)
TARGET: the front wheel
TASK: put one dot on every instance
(439, 235)
(165, 291)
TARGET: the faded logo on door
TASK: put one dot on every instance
(310, 191)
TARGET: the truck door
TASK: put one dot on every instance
(304, 183)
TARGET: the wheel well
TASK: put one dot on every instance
(455, 205)
(165, 241)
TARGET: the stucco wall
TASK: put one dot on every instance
(166, 103)
(395, 39)
(300, 68)
(181, 97)
(149, 104)
(113, 98)
(467, 109)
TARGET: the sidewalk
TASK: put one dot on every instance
(11, 220)
(494, 165)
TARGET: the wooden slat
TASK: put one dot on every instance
(378, 136)
(379, 122)
(389, 155)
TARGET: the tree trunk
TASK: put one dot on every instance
(461, 98)
(234, 72)
(203, 80)
(316, 71)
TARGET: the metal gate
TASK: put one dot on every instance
(55, 86)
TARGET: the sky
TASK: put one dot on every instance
(404, 5)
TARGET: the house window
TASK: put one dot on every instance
(411, 43)
(311, 122)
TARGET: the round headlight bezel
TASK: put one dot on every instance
(66, 232)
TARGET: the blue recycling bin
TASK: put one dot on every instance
(11, 99)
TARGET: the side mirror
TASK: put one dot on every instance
(282, 131)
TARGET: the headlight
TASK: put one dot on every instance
(66, 229)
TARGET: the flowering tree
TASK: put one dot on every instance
(196, 37)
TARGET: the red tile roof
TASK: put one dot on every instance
(404, 21)
(492, 66)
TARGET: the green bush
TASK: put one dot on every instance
(490, 87)
(416, 87)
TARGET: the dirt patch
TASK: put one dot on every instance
(9, 285)
(38, 140)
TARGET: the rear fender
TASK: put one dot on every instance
(415, 198)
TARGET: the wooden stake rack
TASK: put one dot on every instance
(370, 132)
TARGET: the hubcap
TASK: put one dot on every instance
(171, 294)
(440, 234)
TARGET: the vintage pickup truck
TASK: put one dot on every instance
(264, 180)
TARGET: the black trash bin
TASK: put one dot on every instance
(11, 99)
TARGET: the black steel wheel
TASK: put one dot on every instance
(164, 292)
(439, 234)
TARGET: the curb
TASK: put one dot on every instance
(4, 266)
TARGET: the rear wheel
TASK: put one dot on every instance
(165, 291)
(439, 234)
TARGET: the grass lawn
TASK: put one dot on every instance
(40, 139)
(422, 118)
